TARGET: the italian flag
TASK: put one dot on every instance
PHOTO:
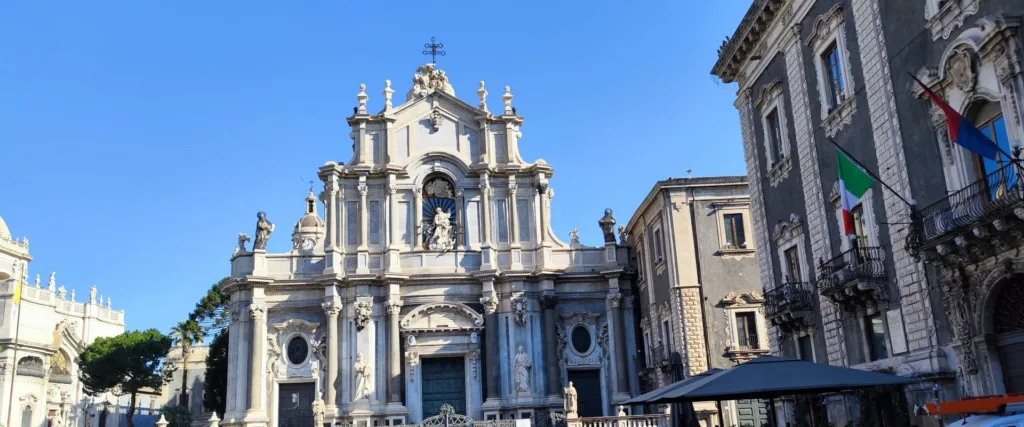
(853, 182)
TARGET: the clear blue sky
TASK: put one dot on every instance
(138, 138)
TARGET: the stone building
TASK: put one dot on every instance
(40, 339)
(698, 292)
(170, 393)
(919, 288)
(433, 278)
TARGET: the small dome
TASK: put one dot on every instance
(4, 231)
(309, 220)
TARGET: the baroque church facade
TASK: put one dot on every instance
(432, 279)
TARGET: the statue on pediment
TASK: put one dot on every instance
(429, 78)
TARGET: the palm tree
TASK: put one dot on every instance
(186, 334)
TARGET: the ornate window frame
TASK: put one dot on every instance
(830, 28)
(771, 100)
(748, 302)
(658, 247)
(867, 204)
(944, 16)
(789, 234)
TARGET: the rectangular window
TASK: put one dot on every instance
(640, 264)
(792, 265)
(806, 348)
(875, 333)
(746, 330)
(523, 210)
(666, 338)
(775, 133)
(734, 236)
(501, 219)
(833, 75)
(860, 227)
(647, 348)
(352, 228)
(657, 246)
(374, 222)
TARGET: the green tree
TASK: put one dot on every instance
(186, 334)
(176, 416)
(212, 310)
(125, 363)
(216, 379)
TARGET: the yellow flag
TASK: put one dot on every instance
(17, 293)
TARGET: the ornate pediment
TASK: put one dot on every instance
(787, 229)
(441, 317)
(285, 329)
(746, 298)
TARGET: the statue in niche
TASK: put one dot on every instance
(263, 230)
(441, 237)
(363, 373)
(522, 365)
(319, 410)
(570, 402)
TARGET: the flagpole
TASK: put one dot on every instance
(14, 365)
(880, 181)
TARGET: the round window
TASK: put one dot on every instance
(298, 350)
(581, 339)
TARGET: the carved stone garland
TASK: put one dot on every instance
(519, 305)
(363, 307)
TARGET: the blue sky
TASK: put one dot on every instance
(139, 137)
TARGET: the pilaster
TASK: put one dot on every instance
(393, 262)
(486, 251)
(332, 307)
(363, 251)
(516, 247)
(618, 336)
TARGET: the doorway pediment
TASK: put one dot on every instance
(442, 317)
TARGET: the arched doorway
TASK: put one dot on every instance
(1008, 324)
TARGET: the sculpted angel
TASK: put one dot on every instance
(441, 239)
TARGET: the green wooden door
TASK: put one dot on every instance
(444, 381)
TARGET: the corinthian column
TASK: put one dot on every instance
(259, 337)
(618, 334)
(394, 356)
(491, 329)
(550, 352)
(331, 310)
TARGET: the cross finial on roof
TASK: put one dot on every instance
(432, 49)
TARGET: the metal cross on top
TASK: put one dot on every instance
(432, 49)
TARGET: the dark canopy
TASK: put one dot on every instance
(770, 376)
(652, 395)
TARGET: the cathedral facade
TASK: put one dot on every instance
(432, 280)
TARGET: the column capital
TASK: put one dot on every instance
(549, 301)
(418, 192)
(394, 307)
(362, 188)
(615, 298)
(258, 311)
(331, 308)
(490, 305)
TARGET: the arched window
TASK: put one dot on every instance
(440, 222)
(26, 416)
(60, 367)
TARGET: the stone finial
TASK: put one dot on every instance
(607, 223)
(507, 99)
(214, 420)
(362, 97)
(482, 94)
(388, 92)
(162, 422)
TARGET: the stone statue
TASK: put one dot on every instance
(37, 281)
(319, 410)
(574, 236)
(92, 295)
(52, 283)
(622, 234)
(242, 238)
(108, 302)
(522, 364)
(62, 293)
(607, 223)
(263, 230)
(72, 295)
(364, 309)
(274, 367)
(570, 401)
(441, 237)
(429, 78)
(363, 373)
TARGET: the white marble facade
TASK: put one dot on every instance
(40, 339)
(435, 243)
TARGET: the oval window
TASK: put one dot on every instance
(298, 350)
(581, 339)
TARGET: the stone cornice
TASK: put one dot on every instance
(738, 48)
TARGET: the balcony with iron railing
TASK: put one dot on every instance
(854, 278)
(789, 305)
(973, 221)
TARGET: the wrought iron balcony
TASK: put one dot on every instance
(789, 305)
(972, 222)
(855, 277)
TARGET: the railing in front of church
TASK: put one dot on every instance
(652, 420)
